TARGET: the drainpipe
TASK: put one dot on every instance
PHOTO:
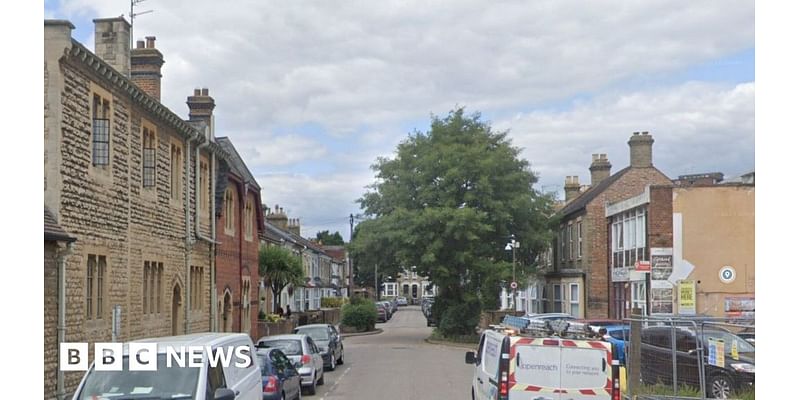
(213, 277)
(62, 312)
(241, 248)
(211, 242)
(189, 239)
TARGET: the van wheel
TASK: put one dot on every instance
(473, 393)
(720, 387)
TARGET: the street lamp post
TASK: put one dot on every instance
(513, 245)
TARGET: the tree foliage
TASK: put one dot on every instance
(279, 268)
(448, 202)
(330, 239)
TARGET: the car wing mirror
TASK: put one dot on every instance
(470, 357)
(224, 394)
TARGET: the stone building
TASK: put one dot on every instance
(340, 270)
(409, 284)
(57, 246)
(124, 176)
(240, 222)
(578, 282)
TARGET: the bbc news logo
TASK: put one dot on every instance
(144, 356)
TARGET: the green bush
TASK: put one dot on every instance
(357, 300)
(332, 302)
(460, 319)
(262, 315)
(360, 316)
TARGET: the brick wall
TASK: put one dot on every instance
(659, 218)
(595, 265)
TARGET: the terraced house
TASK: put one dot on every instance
(129, 181)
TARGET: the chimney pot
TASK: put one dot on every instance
(600, 168)
(572, 188)
(146, 62)
(140, 44)
(197, 92)
(151, 42)
(641, 150)
(205, 92)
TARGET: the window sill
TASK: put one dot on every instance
(229, 232)
(101, 175)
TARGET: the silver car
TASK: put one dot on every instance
(300, 348)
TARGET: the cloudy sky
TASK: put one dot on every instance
(311, 92)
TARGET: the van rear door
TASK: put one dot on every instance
(586, 371)
(560, 369)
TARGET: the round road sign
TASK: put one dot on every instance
(727, 274)
(513, 285)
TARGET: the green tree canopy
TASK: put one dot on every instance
(330, 239)
(448, 202)
(279, 268)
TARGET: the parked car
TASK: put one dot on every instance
(596, 324)
(382, 315)
(389, 307)
(279, 377)
(402, 301)
(618, 336)
(738, 373)
(304, 353)
(327, 338)
(386, 310)
(198, 383)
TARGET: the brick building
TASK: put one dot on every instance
(578, 282)
(123, 176)
(240, 222)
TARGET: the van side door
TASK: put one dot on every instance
(488, 371)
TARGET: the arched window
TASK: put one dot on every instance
(230, 214)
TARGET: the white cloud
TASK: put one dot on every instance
(279, 150)
(697, 127)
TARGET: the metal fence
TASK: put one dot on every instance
(688, 358)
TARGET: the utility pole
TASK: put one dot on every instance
(376, 282)
(350, 261)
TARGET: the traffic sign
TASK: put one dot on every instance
(513, 285)
(727, 274)
(642, 266)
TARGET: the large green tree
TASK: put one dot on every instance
(330, 239)
(279, 268)
(448, 202)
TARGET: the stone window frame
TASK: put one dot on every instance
(149, 135)
(205, 188)
(248, 219)
(96, 283)
(177, 159)
(570, 240)
(629, 234)
(245, 321)
(575, 301)
(152, 288)
(197, 287)
(101, 171)
(229, 200)
(558, 297)
(579, 233)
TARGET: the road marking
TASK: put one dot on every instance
(336, 383)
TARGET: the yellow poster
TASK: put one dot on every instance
(687, 303)
(734, 350)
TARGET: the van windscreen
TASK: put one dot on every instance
(164, 383)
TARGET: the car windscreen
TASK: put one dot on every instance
(320, 335)
(620, 334)
(742, 345)
(264, 363)
(164, 383)
(290, 347)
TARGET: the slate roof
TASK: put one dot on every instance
(52, 231)
(584, 198)
(237, 164)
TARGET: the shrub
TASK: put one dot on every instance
(460, 319)
(262, 315)
(332, 302)
(360, 316)
(360, 300)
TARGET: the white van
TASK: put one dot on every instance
(206, 382)
(514, 364)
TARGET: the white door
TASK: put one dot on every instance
(486, 375)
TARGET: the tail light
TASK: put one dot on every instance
(502, 393)
(616, 392)
(504, 384)
(306, 359)
(272, 385)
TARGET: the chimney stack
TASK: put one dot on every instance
(112, 42)
(201, 108)
(146, 62)
(641, 150)
(600, 168)
(294, 226)
(278, 218)
(572, 188)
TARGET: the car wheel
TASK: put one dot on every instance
(333, 363)
(283, 396)
(720, 387)
(340, 361)
(321, 380)
(312, 390)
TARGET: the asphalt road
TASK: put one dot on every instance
(398, 364)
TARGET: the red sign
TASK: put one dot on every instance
(643, 266)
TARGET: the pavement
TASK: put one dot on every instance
(398, 364)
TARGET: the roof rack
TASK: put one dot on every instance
(536, 327)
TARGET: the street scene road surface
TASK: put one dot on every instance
(398, 364)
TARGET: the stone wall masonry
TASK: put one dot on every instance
(110, 214)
